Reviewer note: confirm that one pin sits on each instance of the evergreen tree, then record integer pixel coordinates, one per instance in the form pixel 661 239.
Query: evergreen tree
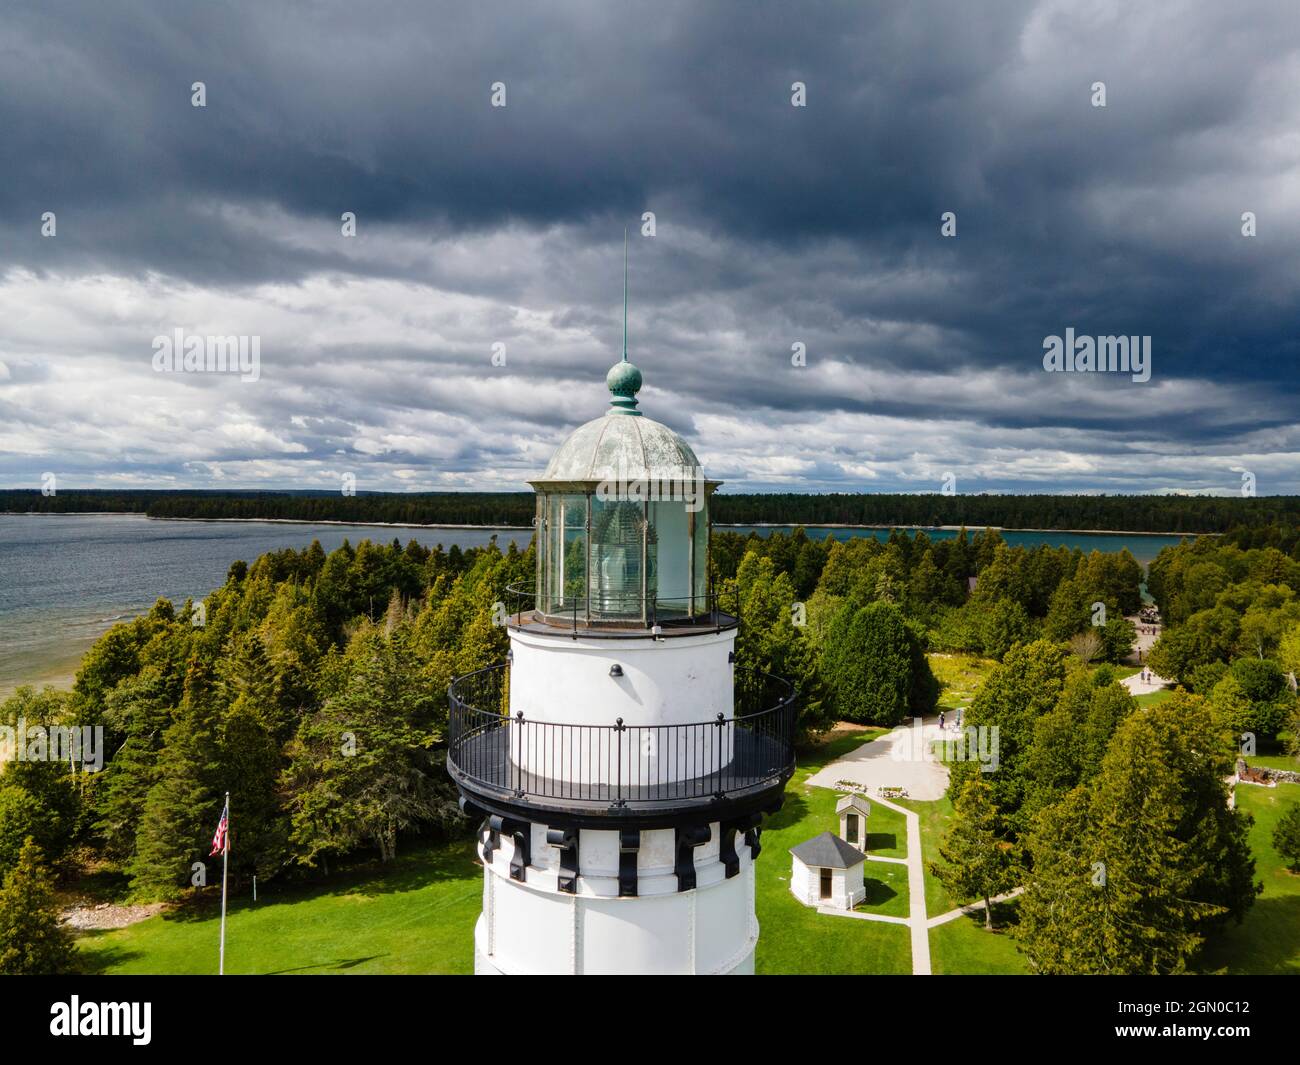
pixel 977 862
pixel 1013 697
pixel 1004 624
pixel 182 807
pixel 1132 871
pixel 1286 837
pixel 770 643
pixel 138 710
pixel 20 820
pixel 33 940
pixel 867 664
pixel 363 768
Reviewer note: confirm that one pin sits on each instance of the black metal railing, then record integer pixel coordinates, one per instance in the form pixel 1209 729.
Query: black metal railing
pixel 617 765
pixel 622 614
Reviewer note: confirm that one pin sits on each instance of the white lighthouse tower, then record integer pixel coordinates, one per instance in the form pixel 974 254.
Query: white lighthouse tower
pixel 620 762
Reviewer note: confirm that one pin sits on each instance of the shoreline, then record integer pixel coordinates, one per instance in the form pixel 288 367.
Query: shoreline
pixel 529 528
pixel 263 521
pixel 952 528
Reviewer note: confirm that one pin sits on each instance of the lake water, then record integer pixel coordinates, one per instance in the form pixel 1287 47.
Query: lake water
pixel 65 579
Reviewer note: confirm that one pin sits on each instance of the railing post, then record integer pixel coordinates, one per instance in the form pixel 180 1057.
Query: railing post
pixel 618 758
pixel 519 754
pixel 720 791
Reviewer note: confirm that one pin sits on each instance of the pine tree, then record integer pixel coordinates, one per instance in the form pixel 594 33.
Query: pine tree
pixel 362 768
pixel 182 807
pixel 20 819
pixel 976 861
pixel 139 711
pixel 1132 871
pixel 33 941
pixel 1286 837
pixel 867 663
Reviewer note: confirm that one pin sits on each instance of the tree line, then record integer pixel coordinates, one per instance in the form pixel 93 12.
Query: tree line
pixel 1134 513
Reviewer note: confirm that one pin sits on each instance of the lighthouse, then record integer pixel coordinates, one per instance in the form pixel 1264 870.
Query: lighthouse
pixel 619 761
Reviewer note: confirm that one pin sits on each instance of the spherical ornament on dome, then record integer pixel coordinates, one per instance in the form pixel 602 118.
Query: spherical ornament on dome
pixel 624 381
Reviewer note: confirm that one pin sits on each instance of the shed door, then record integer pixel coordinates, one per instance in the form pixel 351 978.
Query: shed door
pixel 826 883
pixel 851 828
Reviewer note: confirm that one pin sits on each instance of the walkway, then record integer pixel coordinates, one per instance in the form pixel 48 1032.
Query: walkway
pixel 974 907
pixel 898 759
pixel 915 919
pixel 1137 686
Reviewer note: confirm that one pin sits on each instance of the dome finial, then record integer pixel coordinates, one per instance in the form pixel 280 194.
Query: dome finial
pixel 624 379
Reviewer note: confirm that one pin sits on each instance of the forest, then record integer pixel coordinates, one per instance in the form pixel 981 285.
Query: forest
pixel 1134 513
pixel 300 648
pixel 312 687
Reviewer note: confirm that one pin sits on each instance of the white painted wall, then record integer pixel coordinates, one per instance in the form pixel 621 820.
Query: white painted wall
pixel 683 680
pixel 533 928
pixel 848 886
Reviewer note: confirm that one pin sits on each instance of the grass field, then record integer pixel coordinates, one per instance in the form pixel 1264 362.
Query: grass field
pixel 964 946
pixel 1268 940
pixel 797 939
pixel 960 676
pixel 416 916
pixel 1275 761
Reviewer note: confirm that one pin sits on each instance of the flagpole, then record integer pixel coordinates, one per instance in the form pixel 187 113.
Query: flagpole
pixel 225 860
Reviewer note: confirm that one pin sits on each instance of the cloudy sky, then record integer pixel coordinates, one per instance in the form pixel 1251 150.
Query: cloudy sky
pixel 481 225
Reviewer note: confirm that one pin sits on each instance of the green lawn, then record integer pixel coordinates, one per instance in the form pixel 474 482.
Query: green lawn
pixel 1274 761
pixel 964 947
pixel 933 818
pixel 798 939
pixel 418 915
pixel 1273 755
pixel 414 917
pixel 961 946
pixel 1268 940
pixel 960 676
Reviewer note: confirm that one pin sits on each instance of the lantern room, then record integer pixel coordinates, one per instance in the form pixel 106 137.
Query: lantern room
pixel 623 520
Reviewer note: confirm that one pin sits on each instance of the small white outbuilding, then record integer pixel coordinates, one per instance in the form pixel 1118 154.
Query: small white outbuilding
pixel 853 810
pixel 826 871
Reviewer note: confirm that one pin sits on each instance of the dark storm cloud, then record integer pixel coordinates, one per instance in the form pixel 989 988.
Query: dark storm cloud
pixel 776 224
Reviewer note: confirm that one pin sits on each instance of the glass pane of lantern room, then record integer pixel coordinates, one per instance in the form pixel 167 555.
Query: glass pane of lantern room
pixel 616 544
pixel 699 520
pixel 566 554
pixel 671 557
pixel 575 551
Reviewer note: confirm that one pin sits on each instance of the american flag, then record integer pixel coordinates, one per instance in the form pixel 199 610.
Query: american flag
pixel 220 841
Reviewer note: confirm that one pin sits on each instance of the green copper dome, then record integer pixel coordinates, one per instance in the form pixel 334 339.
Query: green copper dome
pixel 624 381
